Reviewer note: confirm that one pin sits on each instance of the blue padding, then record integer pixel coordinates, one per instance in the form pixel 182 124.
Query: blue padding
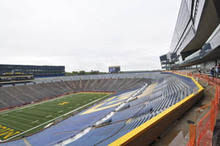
pixel 66 128
pixel 126 128
pixel 14 143
pixel 188 81
pixel 97 135
pixel 113 138
pixel 126 114
pixel 185 79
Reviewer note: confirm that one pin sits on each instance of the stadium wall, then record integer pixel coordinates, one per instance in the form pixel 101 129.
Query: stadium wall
pixel 150 130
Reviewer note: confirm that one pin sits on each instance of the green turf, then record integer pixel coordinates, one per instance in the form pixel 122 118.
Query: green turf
pixel 19 120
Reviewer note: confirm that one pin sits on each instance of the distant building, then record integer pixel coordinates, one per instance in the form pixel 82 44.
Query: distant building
pixel 37 71
pixel 114 69
pixel 15 78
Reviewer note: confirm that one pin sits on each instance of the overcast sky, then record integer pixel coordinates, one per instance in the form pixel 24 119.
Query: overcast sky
pixel 87 34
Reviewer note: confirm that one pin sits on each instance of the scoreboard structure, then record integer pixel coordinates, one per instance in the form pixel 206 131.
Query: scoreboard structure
pixel 114 69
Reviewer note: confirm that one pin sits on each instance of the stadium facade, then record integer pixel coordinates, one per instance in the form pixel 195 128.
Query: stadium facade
pixel 196 38
pixel 37 71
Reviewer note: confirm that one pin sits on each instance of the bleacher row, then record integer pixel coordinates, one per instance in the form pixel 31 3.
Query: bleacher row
pixel 167 92
pixel 24 94
pixel 149 75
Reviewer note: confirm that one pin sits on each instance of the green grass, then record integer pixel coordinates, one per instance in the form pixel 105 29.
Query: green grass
pixel 20 122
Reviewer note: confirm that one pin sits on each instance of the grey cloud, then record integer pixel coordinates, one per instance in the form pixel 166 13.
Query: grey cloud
pixel 87 34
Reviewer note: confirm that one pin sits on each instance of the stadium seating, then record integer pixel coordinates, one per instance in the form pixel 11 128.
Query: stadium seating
pixel 105 126
pixel 167 92
pixel 24 94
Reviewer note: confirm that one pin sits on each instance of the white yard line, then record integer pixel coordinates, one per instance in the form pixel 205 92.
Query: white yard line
pixel 60 111
pixel 48 116
pixel 36 121
pixel 54 118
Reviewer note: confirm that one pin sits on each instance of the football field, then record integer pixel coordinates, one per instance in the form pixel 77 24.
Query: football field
pixel 24 121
